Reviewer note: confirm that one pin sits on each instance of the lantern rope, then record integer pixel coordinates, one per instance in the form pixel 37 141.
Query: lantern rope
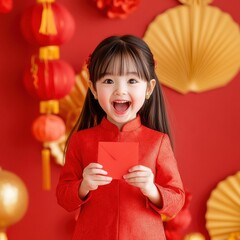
pixel 48 25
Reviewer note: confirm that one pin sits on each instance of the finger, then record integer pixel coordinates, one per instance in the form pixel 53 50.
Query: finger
pixel 138 180
pixel 94 165
pixel 101 178
pixel 137 174
pixel 139 168
pixel 101 183
pixel 94 171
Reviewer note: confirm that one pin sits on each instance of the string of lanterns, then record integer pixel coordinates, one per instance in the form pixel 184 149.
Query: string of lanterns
pixel 47 25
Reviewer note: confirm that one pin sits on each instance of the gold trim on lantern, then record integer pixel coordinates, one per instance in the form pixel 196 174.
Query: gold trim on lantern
pixel 51 106
pixel 34 72
pixel 49 53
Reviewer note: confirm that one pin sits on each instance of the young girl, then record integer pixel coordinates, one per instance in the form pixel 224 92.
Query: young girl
pixel 124 103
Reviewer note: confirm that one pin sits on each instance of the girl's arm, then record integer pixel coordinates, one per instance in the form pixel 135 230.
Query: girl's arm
pixel 75 183
pixel 165 190
pixel 70 179
pixel 168 180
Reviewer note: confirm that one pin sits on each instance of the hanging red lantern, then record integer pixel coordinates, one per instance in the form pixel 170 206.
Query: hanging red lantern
pixel 6 6
pixel 48 77
pixel 47 128
pixel 47 23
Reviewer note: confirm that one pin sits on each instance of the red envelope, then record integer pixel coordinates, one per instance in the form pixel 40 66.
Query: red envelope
pixel 117 157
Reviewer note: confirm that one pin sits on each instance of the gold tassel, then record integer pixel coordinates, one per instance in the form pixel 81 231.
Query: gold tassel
pixel 46 172
pixel 48 25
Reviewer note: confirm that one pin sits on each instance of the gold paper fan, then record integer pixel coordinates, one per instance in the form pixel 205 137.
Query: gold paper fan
pixel 70 108
pixel 223 209
pixel 197 47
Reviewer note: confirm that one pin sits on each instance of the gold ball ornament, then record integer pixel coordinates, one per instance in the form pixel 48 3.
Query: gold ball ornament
pixel 13 200
pixel 194 236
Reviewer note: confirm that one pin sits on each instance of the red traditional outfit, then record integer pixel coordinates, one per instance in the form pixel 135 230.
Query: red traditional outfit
pixel 118 211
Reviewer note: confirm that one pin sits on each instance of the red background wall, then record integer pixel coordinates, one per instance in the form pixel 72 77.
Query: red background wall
pixel 206 125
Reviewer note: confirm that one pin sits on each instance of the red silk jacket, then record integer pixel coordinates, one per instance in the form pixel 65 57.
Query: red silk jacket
pixel 118 211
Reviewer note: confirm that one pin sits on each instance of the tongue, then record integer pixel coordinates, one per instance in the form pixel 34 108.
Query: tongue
pixel 121 107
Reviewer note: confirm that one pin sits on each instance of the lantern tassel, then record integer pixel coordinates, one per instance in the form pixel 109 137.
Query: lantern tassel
pixel 48 25
pixel 46 172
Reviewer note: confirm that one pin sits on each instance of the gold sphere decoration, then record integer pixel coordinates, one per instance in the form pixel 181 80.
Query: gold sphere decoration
pixel 194 236
pixel 13 200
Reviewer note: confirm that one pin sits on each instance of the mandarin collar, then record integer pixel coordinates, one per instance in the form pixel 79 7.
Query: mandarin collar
pixel 130 126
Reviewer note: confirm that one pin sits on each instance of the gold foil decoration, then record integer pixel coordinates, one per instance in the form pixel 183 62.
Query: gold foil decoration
pixel 196 46
pixel 223 209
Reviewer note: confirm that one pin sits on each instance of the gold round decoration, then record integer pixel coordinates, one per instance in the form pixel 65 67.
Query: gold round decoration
pixel 234 236
pixel 69 109
pixel 223 209
pixel 194 236
pixel 196 46
pixel 13 200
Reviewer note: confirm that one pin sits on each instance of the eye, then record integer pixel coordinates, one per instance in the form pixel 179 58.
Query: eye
pixel 132 81
pixel 108 81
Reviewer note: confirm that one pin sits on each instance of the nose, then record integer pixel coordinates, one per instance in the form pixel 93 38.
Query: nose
pixel 120 89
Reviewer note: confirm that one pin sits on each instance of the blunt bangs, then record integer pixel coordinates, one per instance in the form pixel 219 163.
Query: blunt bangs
pixel 120 59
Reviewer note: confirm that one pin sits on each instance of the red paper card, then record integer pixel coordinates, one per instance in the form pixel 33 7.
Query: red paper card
pixel 117 157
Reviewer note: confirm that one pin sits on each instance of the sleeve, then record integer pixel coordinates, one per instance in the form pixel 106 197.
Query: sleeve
pixel 70 178
pixel 168 181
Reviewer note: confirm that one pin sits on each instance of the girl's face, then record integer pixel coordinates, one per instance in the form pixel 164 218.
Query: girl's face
pixel 122 96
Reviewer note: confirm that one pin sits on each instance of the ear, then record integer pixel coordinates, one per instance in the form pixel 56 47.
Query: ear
pixel 91 86
pixel 150 88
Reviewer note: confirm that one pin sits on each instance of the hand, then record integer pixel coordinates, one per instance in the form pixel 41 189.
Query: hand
pixel 93 176
pixel 143 178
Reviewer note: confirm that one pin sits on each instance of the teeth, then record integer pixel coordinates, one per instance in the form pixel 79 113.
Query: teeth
pixel 120 101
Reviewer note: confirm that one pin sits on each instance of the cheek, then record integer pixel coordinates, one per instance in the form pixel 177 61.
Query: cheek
pixel 139 96
pixel 103 98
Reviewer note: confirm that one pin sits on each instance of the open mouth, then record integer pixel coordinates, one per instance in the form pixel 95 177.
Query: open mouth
pixel 121 105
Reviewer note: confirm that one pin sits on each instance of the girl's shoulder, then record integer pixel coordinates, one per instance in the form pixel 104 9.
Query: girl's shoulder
pixel 152 132
pixel 153 135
